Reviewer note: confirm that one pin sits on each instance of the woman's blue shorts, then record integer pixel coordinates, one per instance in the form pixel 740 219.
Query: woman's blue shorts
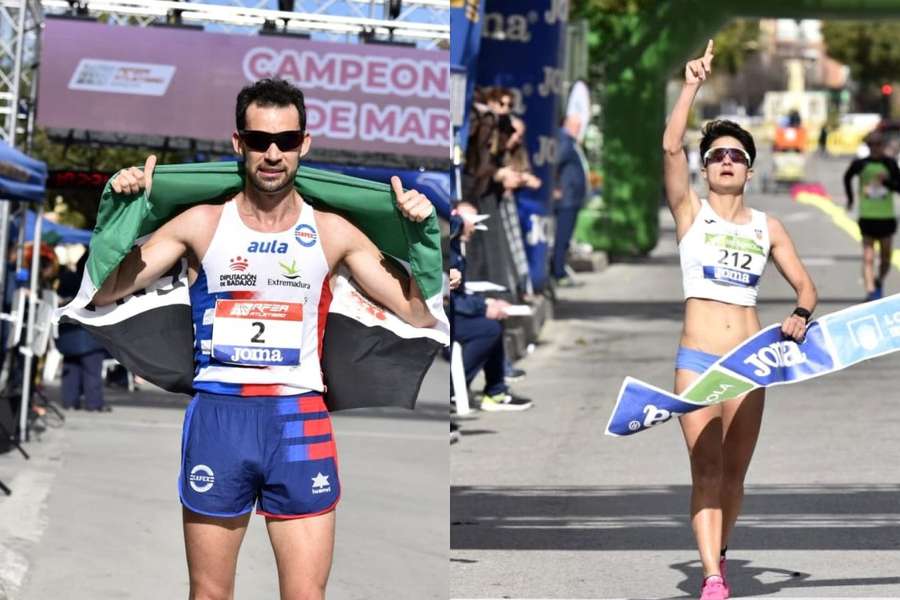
pixel 694 360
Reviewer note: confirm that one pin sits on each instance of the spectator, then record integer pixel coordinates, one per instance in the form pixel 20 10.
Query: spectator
pixel 515 174
pixel 516 166
pixel 476 326
pixel 82 354
pixel 569 195
pixel 490 254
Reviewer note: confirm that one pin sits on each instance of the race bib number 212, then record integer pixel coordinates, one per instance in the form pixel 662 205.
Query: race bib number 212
pixel 732 260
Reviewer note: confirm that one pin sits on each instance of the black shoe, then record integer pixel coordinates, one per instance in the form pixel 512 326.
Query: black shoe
pixel 454 432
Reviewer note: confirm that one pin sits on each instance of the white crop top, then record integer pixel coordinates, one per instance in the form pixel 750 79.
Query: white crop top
pixel 724 261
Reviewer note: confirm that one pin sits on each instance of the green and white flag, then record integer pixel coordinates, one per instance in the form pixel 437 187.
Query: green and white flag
pixel 370 358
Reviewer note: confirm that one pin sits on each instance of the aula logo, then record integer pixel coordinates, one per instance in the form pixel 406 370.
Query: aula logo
pixel 273 247
pixel 306 235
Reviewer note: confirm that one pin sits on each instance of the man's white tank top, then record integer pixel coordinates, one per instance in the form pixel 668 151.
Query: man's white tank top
pixel 724 261
pixel 259 305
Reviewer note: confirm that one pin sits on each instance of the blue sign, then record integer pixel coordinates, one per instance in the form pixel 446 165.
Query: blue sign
pixel 642 406
pixel 832 343
pixel 865 331
pixel 533 33
pixel 768 358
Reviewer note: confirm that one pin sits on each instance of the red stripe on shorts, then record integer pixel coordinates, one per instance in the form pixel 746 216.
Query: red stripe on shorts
pixel 321 450
pixel 310 404
pixel 316 427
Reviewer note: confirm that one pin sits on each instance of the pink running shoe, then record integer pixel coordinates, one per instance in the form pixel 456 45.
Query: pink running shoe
pixel 722 570
pixel 714 588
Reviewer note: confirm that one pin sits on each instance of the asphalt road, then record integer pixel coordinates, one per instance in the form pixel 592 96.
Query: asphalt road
pixel 95 514
pixel 544 505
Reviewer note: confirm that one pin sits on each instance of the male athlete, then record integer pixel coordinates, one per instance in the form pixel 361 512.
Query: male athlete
pixel 257 430
pixel 879 176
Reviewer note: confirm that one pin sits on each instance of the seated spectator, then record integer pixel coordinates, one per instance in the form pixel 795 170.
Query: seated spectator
pixel 476 325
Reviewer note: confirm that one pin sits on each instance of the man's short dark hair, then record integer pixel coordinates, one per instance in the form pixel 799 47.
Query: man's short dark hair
pixel 269 92
pixel 723 128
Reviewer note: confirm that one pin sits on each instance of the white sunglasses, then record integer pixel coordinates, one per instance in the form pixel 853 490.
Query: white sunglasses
pixel 737 155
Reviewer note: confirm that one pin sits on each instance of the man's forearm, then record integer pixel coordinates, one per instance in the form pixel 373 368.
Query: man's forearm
pixel 116 284
pixel 419 314
pixel 106 294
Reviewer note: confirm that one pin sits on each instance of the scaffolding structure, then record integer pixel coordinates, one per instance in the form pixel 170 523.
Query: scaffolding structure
pixel 425 23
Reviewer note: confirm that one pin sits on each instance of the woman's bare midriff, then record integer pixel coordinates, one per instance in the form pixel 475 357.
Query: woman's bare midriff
pixel 717 327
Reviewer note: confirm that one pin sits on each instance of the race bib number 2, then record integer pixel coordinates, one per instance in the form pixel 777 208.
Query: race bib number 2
pixel 257 333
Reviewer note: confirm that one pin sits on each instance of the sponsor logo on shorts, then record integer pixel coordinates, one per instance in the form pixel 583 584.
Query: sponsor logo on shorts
pixel 202 478
pixel 273 247
pixel 239 263
pixel 320 484
pixel 306 235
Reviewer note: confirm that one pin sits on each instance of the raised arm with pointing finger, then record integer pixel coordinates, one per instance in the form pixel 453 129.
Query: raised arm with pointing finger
pixel 682 200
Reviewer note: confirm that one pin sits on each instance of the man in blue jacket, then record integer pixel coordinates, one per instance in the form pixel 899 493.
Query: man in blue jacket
pixel 569 194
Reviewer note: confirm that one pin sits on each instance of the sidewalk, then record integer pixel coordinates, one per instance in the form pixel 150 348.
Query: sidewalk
pixel 95 513
pixel 544 505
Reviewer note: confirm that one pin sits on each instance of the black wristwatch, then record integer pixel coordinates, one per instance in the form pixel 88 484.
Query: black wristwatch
pixel 802 312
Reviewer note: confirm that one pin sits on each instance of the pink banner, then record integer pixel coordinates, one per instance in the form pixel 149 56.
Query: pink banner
pixel 183 83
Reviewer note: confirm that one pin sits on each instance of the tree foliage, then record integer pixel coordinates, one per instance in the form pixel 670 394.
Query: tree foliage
pixel 734 43
pixel 81 204
pixel 614 23
pixel 870 49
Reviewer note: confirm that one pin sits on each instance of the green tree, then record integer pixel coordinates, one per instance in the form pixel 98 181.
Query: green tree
pixel 615 24
pixel 871 51
pixel 734 43
pixel 81 204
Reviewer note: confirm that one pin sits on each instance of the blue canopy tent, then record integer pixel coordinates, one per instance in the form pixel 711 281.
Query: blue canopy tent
pixel 22 179
pixel 64 233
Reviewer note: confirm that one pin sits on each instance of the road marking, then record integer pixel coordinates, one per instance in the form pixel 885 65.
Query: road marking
pixel 838 217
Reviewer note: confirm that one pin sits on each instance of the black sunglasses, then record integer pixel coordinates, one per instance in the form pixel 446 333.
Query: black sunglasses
pixel 259 141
